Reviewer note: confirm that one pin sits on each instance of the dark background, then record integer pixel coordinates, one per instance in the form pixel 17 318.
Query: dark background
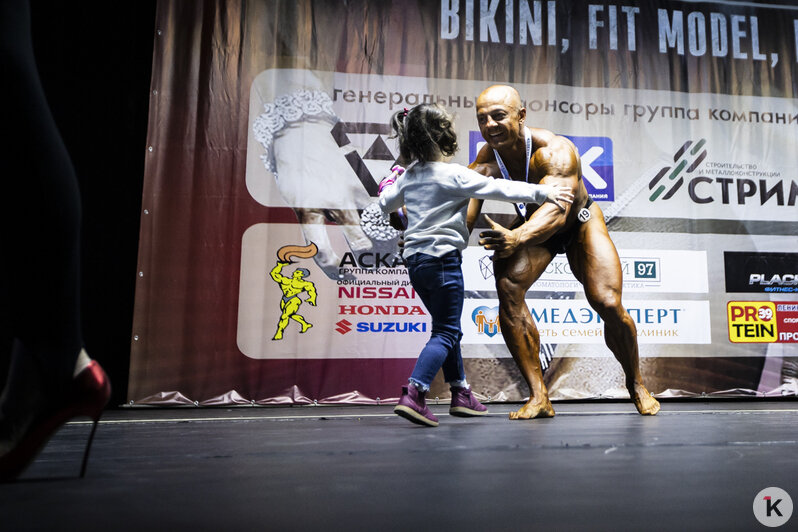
pixel 95 62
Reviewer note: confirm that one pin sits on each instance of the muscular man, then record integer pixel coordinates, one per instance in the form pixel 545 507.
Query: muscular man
pixel 522 253
pixel 292 287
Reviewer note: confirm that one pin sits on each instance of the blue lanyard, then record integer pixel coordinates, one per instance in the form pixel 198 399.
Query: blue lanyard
pixel 520 207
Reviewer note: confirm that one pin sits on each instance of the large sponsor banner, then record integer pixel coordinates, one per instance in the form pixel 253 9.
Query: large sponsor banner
pixel 761 272
pixel 574 322
pixel 644 270
pixel 268 273
pixel 763 322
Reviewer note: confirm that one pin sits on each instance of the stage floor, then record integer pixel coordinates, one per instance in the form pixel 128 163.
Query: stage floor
pixel 595 466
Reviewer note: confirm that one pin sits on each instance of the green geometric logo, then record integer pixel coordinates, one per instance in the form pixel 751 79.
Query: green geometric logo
pixel 681 159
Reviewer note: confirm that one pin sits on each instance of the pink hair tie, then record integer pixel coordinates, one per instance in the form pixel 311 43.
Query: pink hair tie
pixel 385 183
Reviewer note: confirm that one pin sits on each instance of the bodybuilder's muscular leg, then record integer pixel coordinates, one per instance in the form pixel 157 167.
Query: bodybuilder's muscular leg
pixel 514 276
pixel 282 323
pixel 289 312
pixel 594 260
pixel 620 335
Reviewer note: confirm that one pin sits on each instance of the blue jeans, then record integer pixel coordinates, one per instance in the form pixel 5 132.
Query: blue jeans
pixel 439 283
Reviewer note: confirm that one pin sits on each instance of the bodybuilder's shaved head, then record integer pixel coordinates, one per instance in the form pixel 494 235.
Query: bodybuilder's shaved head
pixel 500 94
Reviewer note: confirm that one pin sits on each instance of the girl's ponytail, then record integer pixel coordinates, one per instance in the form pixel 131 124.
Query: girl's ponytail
pixel 423 132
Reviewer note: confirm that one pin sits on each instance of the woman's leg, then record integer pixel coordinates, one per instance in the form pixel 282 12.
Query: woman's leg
pixel 41 221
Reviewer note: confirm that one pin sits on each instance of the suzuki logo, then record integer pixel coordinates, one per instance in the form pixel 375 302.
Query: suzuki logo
pixel 343 326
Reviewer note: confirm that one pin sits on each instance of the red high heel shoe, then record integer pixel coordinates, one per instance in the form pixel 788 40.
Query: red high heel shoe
pixel 87 396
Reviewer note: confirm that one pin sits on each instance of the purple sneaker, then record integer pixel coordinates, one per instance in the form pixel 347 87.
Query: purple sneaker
pixel 464 403
pixel 413 407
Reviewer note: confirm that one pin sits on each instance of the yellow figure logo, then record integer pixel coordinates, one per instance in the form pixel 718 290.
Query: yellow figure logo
pixel 292 287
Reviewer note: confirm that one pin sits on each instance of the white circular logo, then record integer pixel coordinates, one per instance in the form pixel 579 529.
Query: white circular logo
pixel 584 215
pixel 772 507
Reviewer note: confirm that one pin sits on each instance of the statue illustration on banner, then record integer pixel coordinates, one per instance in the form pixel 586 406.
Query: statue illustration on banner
pixel 292 287
pixel 317 170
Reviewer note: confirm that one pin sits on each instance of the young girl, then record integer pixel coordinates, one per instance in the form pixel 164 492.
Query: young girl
pixel 435 194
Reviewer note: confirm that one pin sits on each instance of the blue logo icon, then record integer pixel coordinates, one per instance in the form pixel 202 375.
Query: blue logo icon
pixel 596 156
pixel 487 320
pixel 475 143
pixel 597 169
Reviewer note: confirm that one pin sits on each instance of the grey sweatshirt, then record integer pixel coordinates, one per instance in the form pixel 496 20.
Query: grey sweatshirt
pixel 436 196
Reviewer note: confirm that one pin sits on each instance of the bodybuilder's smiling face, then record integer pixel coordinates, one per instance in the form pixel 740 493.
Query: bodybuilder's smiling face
pixel 500 116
